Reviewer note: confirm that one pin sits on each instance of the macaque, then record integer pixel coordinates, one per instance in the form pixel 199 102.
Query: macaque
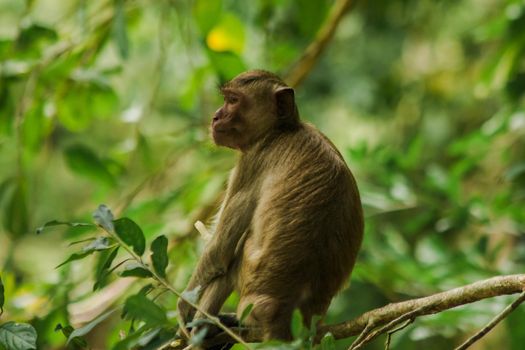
pixel 291 223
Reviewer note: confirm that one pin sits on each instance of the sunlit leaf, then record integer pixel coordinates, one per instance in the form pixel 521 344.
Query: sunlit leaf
pixel 139 307
pixel 328 342
pixel 58 223
pixel 192 295
pixel 207 13
pixel 198 338
pixel 2 296
pixel 227 35
pixel 159 257
pixel 33 38
pixel 101 243
pixel 297 324
pixel 83 161
pixel 120 33
pixel 247 310
pixel 36 127
pixel 17 336
pixel 104 218
pixel 16 217
pixel 89 239
pixel 131 234
pixel 82 331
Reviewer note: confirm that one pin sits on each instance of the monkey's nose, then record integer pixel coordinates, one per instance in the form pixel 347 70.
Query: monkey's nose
pixel 215 118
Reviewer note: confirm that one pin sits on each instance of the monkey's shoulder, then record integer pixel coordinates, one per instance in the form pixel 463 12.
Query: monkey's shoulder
pixel 311 146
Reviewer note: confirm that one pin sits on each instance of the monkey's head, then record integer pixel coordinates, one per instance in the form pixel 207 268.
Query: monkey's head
pixel 256 103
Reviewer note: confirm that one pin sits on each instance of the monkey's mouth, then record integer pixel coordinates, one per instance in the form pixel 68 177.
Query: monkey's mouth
pixel 219 130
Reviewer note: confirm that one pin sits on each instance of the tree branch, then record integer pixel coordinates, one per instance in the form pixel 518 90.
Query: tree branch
pixel 492 323
pixel 305 63
pixel 492 287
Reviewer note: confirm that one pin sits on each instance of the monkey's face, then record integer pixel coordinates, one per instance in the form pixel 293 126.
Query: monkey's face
pixel 244 118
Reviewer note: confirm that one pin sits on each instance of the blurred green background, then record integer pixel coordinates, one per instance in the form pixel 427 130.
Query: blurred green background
pixel 109 101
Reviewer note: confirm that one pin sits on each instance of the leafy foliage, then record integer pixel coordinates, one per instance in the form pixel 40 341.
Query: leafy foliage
pixel 109 101
pixel 17 336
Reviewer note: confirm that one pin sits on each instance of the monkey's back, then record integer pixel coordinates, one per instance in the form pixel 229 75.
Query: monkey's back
pixel 307 226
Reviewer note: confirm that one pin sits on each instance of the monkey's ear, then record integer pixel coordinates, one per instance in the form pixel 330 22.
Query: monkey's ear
pixel 286 107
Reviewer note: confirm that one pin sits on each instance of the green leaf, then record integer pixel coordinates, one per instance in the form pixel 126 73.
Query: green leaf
pixel 83 161
pixel 33 38
pixel 227 35
pixel 227 64
pixel 104 218
pixel 199 336
pixel 192 295
pixel 81 241
pixel 159 257
pixel 246 312
pixel 312 331
pixel 88 99
pixel 328 342
pixel 79 342
pixel 297 324
pixel 101 243
pixel 103 267
pixel 515 171
pixel 135 270
pixel 120 34
pixel 58 223
pixel 73 257
pixel 139 307
pixel 17 336
pixel 82 331
pixel 2 296
pixel 131 340
pixel 315 11
pixel 206 14
pixel 131 234
pixel 16 215
pixel 36 126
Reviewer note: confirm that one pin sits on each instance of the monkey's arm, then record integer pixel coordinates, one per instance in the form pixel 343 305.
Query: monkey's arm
pixel 220 252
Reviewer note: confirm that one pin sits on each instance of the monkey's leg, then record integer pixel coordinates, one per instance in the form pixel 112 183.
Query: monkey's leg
pixel 215 295
pixel 211 302
pixel 212 299
pixel 272 314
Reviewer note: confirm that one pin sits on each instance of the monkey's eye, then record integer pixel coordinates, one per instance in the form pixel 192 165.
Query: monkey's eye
pixel 231 99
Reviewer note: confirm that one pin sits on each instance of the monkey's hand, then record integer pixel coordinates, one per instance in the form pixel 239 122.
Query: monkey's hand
pixel 186 311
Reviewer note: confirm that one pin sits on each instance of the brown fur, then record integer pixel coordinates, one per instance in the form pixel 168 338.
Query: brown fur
pixel 291 223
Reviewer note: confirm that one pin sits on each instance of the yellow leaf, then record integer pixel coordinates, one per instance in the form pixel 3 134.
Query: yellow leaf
pixel 227 35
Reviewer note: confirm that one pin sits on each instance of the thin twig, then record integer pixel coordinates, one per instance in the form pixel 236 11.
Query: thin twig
pixel 492 287
pixel 390 332
pixel 166 285
pixel 492 323
pixel 370 325
pixel 312 53
pixel 403 318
